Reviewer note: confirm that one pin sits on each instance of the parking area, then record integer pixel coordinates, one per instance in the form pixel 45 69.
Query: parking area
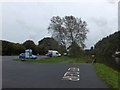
pixel 16 74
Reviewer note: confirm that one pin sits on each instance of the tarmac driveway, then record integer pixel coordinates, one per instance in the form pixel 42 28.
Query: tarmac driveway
pixel 16 74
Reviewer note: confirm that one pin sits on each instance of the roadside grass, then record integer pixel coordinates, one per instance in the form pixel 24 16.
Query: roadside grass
pixel 59 59
pixel 82 59
pixel 108 75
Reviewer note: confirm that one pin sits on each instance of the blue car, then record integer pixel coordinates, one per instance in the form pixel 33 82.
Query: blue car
pixel 33 57
pixel 22 55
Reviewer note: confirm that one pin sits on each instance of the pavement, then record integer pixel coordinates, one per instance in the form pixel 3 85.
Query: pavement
pixel 17 74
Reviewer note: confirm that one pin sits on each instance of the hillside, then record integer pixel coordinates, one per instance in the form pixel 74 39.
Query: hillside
pixel 108 45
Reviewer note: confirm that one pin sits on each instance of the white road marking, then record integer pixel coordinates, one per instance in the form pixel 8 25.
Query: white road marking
pixel 72 74
pixel 65 74
pixel 73 69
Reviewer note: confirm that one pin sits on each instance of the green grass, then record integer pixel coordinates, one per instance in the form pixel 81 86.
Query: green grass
pixel 108 75
pixel 59 59
pixel 83 59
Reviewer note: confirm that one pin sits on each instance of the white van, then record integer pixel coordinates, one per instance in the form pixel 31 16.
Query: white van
pixel 52 53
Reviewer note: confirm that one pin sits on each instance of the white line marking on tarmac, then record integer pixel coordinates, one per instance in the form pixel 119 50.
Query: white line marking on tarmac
pixel 72 74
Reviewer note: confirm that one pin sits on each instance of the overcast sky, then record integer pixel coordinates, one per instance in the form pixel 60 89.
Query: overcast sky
pixel 29 20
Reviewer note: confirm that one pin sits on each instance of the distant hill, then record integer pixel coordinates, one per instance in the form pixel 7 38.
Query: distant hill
pixel 108 45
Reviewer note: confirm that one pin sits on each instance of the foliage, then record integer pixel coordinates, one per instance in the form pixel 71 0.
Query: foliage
pixel 29 44
pixel 18 48
pixel 108 45
pixel 62 49
pixel 107 74
pixel 75 50
pixel 7 48
pixel 49 44
pixel 10 48
pixel 68 29
pixel 57 30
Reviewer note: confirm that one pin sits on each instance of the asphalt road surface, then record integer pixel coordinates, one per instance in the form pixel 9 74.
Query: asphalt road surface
pixel 16 74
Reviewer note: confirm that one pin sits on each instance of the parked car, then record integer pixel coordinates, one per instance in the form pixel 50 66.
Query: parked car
pixel 22 55
pixel 52 53
pixel 33 57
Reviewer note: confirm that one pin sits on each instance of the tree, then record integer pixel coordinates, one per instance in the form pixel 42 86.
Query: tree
pixel 46 44
pixel 18 48
pixel 29 44
pixel 108 45
pixel 57 30
pixel 7 48
pixel 62 49
pixel 10 48
pixel 68 29
pixel 75 50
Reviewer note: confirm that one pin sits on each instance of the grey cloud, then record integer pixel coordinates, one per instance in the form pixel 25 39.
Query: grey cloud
pixel 23 24
pixel 99 21
pixel 112 1
pixel 32 31
pixel 104 25
pixel 99 28
pixel 32 35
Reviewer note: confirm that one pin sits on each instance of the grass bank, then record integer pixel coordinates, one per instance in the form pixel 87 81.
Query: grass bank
pixel 60 59
pixel 107 74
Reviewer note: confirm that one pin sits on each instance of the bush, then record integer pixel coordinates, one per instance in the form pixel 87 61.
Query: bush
pixel 75 50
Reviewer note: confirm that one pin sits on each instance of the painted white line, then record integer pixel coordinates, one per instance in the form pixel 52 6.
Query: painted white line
pixel 73 69
pixel 68 69
pixel 66 73
pixel 70 78
pixel 72 74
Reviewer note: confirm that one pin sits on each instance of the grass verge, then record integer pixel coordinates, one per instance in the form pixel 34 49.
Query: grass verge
pixel 82 59
pixel 59 59
pixel 108 75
